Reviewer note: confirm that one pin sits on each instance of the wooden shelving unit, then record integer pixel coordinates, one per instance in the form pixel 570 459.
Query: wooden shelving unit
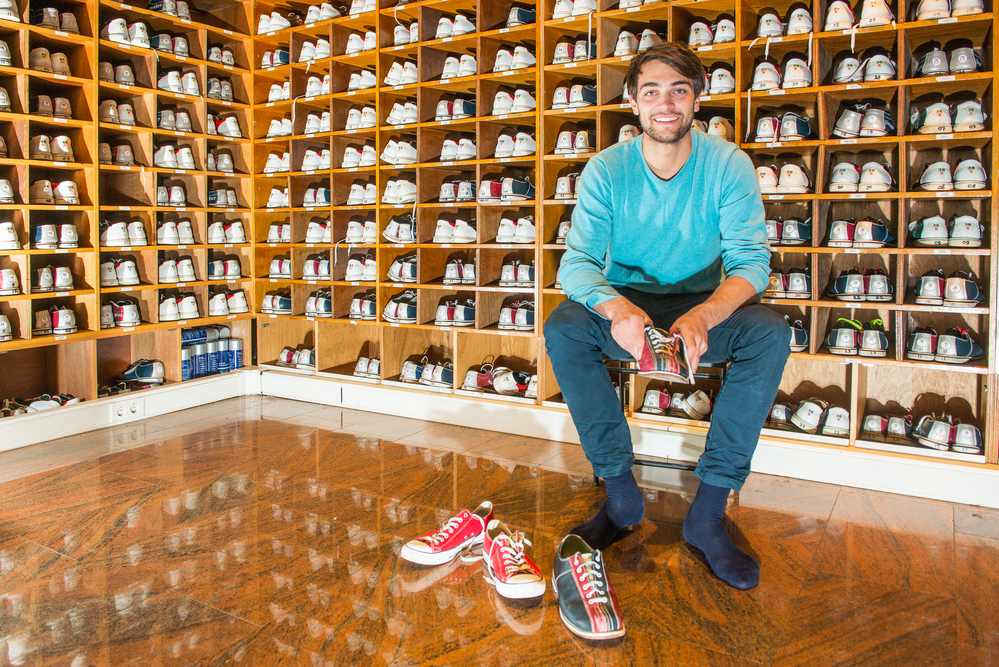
pixel 863 386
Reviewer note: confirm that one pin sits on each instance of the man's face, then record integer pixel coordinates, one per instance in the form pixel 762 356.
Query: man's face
pixel 665 103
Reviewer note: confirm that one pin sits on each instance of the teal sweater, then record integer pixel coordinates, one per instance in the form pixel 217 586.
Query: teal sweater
pixel 631 228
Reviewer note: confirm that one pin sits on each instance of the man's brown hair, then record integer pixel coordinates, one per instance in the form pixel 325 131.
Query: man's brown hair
pixel 677 56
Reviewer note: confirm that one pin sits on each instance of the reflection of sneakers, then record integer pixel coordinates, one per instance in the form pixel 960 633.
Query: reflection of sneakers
pixel 441 545
pixel 428 578
pixel 586 603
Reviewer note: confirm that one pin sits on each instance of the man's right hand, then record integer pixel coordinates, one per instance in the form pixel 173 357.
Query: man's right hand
pixel 627 324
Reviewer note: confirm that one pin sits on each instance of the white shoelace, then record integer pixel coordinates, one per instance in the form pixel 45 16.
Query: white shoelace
pixel 591 576
pixel 514 558
pixel 445 531
pixel 661 344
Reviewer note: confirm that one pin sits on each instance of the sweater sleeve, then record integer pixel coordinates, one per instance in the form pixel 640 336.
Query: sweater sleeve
pixel 742 223
pixel 582 268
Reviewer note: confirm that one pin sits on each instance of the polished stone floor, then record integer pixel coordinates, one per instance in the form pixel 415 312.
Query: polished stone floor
pixel 259 531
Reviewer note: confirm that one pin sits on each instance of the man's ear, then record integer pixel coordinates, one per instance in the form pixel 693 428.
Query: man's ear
pixel 697 104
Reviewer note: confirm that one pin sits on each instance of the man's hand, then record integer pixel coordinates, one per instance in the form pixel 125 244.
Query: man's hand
pixel 693 327
pixel 627 324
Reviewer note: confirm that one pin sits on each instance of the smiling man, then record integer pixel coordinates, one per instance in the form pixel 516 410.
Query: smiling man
pixel 669 229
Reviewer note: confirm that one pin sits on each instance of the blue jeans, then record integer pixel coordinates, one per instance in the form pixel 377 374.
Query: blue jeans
pixel 754 338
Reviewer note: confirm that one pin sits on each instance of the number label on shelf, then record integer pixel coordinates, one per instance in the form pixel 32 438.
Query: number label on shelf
pixel 775 144
pixel 447 39
pixel 126 289
pixel 858 195
pixel 848 141
pixel 504 159
pixel 775 197
pixel 232 317
pixel 503 30
pixel 776 91
pixel 852 251
pixel 502 115
pixel 62 293
pixel 946 78
pixel 951 19
pixel 945 194
pixel 62 208
pixel 59 338
pixel 626 58
pixel 127 329
pixel 941 251
pixel 705 48
pixel 705 98
pixel 62 251
pixel 946 136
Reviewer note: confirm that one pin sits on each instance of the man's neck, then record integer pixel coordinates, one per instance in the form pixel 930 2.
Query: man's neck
pixel 666 160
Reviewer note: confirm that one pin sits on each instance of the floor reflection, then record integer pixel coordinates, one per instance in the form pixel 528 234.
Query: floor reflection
pixel 269 542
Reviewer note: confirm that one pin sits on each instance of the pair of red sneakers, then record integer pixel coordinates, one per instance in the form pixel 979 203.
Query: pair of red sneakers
pixel 474 535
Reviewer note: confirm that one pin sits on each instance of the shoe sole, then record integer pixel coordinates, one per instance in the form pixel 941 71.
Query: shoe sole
pixel 596 636
pixel 438 558
pixel 516 591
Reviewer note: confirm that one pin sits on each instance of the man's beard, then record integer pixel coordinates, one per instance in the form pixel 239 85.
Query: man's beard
pixel 649 129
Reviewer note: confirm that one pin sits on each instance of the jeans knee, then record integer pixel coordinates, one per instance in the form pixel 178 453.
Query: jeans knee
pixel 771 329
pixel 565 323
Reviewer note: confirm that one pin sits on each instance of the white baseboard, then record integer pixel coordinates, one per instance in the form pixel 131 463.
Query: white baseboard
pixel 856 468
pixel 38 427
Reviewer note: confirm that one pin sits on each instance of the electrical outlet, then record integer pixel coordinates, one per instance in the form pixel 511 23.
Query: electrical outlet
pixel 129 410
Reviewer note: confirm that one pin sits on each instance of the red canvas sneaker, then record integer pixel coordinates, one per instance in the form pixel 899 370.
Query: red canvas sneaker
pixel 507 567
pixel 441 545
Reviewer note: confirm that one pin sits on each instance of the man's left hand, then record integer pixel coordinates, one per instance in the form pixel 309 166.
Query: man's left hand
pixel 693 327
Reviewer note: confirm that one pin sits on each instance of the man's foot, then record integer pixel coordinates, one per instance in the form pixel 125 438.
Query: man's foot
pixel 624 507
pixel 703 529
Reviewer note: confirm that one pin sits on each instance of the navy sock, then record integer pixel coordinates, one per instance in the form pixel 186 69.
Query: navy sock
pixel 625 506
pixel 703 529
